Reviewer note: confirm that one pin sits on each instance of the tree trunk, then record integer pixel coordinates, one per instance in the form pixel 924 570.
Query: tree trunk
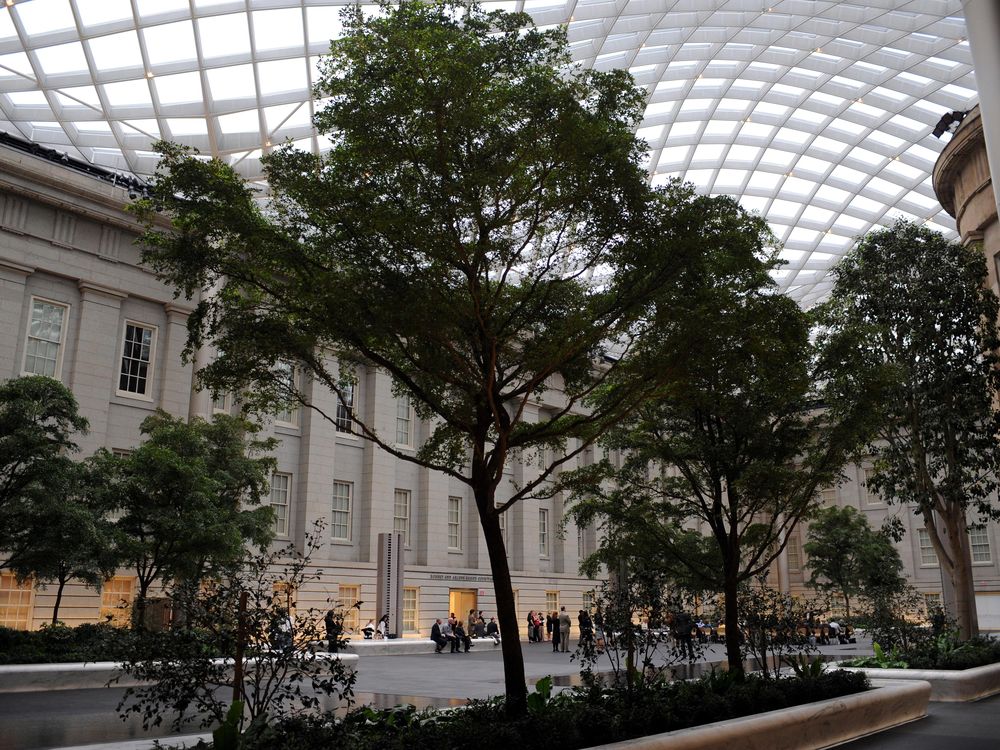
pixel 59 594
pixel 960 572
pixel 847 606
pixel 733 654
pixel 510 644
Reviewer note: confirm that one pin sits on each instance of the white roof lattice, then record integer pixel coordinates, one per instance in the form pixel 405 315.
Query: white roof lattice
pixel 817 114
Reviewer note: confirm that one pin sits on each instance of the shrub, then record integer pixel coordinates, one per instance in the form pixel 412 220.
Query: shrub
pixel 58 643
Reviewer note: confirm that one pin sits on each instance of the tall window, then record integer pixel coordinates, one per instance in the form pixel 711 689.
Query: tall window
pixel 116 600
pixel 15 602
pixel 289 414
pixel 401 515
pixel 137 355
pixel 581 543
pixel 871 497
pixel 543 532
pixel 793 552
pixel 979 539
pixel 454 523
pixel 220 404
pixel 588 600
pixel 932 601
pixel 280 486
pixel 340 519
pixel 404 421
pixel 43 349
pixel 828 496
pixel 928 557
pixel 410 610
pixel 349 594
pixel 551 601
pixel 345 408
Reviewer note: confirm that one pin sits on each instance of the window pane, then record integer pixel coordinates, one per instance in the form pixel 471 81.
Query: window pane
pixel 980 542
pixel 403 420
pixel 41 355
pixel 349 594
pixel 410 610
pixel 455 523
pixel 345 409
pixel 116 601
pixel 928 556
pixel 401 515
pixel 136 350
pixel 15 602
pixel 340 519
pixel 543 532
pixel 279 501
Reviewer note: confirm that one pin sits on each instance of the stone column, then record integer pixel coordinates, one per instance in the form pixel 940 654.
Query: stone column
pixel 982 21
pixel 96 365
pixel 312 487
pixel 374 499
pixel 175 384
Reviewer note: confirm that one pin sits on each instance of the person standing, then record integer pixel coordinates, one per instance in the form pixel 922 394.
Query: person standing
pixel 682 632
pixel 564 625
pixel 553 624
pixel 586 628
pixel 334 628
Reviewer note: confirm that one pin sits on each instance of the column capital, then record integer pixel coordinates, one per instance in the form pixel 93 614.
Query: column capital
pixel 14 271
pixel 101 294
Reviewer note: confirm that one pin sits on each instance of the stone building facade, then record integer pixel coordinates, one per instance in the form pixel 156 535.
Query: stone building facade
pixel 76 304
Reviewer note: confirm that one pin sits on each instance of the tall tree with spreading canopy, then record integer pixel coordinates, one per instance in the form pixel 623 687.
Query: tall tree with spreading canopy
pixel 480 229
pixel 187 499
pixel 38 418
pixel 913 312
pixel 719 469
pixel 848 556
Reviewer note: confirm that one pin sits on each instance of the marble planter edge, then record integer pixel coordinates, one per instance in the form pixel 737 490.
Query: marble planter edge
pixel 947 685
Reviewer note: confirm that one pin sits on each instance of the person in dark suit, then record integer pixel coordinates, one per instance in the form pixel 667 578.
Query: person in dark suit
pixel 438 637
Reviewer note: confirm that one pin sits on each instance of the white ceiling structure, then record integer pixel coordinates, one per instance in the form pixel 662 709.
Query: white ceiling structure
pixel 816 114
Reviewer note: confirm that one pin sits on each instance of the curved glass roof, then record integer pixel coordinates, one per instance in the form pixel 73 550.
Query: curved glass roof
pixel 817 114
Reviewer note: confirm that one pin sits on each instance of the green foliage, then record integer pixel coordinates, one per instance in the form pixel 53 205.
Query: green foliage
pixel 227 735
pixel 543 692
pixel 61 644
pixel 572 719
pixel 38 418
pixel 185 674
pixel 849 557
pixel 189 498
pixel 946 651
pixel 881 660
pixel 914 317
pixel 772 626
pixel 805 667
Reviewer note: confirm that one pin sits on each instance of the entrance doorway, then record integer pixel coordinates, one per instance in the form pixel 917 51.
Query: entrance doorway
pixel 460 601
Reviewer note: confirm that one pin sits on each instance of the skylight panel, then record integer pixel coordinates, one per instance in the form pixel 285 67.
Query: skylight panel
pixel 239 122
pixel 233 82
pixel 27 98
pixel 701 178
pixel 278 29
pixel 797 187
pixel 683 129
pixel 756 130
pixel 324 24
pixel 849 175
pixel 753 203
pixel 767 108
pixel 819 96
pixel 803 236
pixel 907 123
pixel 44 17
pixel 170 42
pixel 650 134
pixel 923 153
pixel 116 51
pixel 921 200
pixel 763 181
pixel 913 78
pixel 179 88
pixel 93 126
pixel 105 11
pixel 889 189
pixel 808 163
pixel 128 93
pixel 141 127
pixel 905 171
pixel 7 29
pixel 288 116
pixel 866 205
pixel 777 158
pixel 896 96
pixel 730 178
pixel 847 126
pixel 850 224
pixel 282 75
pixel 816 214
pixel 790 135
pixel 832 195
pixel 670 87
pixel 709 152
pixel 784 209
pixel 673 156
pixel 696 106
pixel 721 128
pixel 222 36
pixel 660 108
pixel 187 126
pixel 743 153
pixel 148 8
pixel 737 106
pixel 63 58
pixel 78 96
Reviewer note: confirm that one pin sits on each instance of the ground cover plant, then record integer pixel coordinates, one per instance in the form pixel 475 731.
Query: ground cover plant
pixel 944 651
pixel 59 643
pixel 578 718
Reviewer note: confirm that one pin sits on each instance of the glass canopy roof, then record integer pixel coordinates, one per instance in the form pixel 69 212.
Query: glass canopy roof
pixel 816 114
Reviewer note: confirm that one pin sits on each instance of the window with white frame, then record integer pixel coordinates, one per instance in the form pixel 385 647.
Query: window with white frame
pixel 349 595
pixel 340 518
pixel 928 557
pixel 281 485
pixel 137 357
pixel 15 602
pixel 220 404
pixel 581 543
pixel 979 540
pixel 793 552
pixel 286 374
pixel 543 532
pixel 551 601
pixel 46 331
pixel 404 421
pixel 588 600
pixel 410 598
pixel 346 402
pixel 401 515
pixel 871 496
pixel 455 523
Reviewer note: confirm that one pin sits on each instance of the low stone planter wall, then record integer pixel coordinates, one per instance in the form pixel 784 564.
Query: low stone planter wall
pixel 947 685
pixel 810 727
pixel 22 678
pixel 391 646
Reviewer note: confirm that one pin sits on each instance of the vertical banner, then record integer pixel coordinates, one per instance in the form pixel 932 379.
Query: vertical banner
pixel 389 589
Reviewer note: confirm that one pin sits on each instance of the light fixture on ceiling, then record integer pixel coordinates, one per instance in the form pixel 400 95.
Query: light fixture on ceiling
pixel 948 123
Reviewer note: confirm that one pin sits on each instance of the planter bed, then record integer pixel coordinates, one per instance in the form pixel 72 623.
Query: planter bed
pixel 809 727
pixel 22 678
pixel 947 685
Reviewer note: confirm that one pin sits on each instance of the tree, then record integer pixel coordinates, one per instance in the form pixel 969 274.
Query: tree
pixel 38 416
pixel 913 313
pixel 482 230
pixel 187 498
pixel 848 556
pixel 68 533
pixel 738 445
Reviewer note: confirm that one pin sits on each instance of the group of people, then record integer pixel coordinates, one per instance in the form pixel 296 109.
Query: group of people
pixel 555 627
pixel 371 630
pixel 454 635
